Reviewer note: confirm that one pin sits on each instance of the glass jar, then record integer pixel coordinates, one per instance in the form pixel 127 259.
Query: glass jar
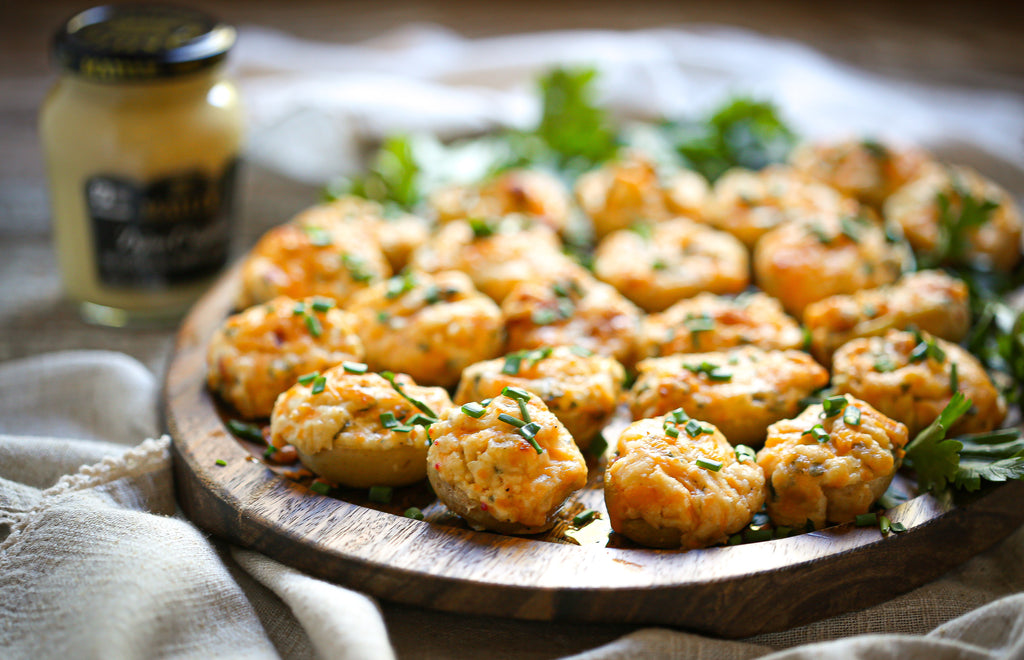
pixel 141 136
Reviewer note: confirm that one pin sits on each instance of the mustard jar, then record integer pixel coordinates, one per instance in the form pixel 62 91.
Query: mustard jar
pixel 141 136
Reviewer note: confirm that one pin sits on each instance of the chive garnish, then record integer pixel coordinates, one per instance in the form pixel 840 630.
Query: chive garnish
pixel 414 513
pixel 245 431
pixel 580 351
pixel 703 323
pixel 544 316
pixel 583 517
pixel 306 379
pixel 356 267
pixel 530 431
pixel 322 304
pixel 404 428
pixel 419 419
pixel 516 393
pixel 852 415
pixel 954 379
pixel 388 420
pixel 319 383
pixel 679 416
pixel 319 487
pixel 884 524
pixel 383 317
pixel 834 405
pixel 380 494
pixel 712 371
pixel 354 367
pixel 818 432
pixel 313 325
pixel 511 366
pixel 709 464
pixel 927 348
pixel 693 428
pixel 481 228
pixel 897 527
pixel 866 520
pixel 221 462
pixel 400 284
pixel 299 308
pixel 474 410
pixel 509 419
pixel 318 237
pixel 745 453
pixel 670 430
pixel 884 364
pixel 424 408
pixel 269 451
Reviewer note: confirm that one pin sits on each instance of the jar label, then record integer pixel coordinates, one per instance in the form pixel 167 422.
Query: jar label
pixel 169 231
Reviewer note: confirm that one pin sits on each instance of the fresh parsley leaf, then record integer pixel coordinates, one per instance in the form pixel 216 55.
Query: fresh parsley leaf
pixel 934 458
pixel 958 214
pixel 572 124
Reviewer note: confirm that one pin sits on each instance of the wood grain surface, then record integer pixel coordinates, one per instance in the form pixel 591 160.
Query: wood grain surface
pixel 729 591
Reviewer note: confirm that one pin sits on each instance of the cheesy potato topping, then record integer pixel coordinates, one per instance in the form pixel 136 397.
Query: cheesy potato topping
pixel 909 377
pixel 581 389
pixel 740 391
pixel 867 170
pixel 575 310
pixel 804 261
pixel 430 326
pixel 672 260
pixel 257 354
pixel 621 194
pixel 297 260
pixel 929 300
pixel 355 429
pixel 533 193
pixel 927 206
pixel 485 469
pixel 708 322
pixel 687 491
pixel 497 254
pixel 748 204
pixel 830 468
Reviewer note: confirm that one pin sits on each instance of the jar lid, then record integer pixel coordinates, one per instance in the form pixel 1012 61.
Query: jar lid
pixel 116 43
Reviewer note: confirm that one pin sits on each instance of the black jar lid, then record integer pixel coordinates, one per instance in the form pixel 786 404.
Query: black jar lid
pixel 116 43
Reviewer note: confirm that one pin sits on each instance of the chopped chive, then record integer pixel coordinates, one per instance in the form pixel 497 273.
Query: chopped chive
pixel 866 520
pixel 221 462
pixel 404 428
pixel 474 410
pixel 670 430
pixel 850 228
pixel 884 364
pixel 245 431
pixel 852 415
pixel 659 264
pixel 419 419
pixel 299 308
pixel 509 419
pixel 643 229
pixel 414 513
pixel 524 411
pixel 954 379
pixel 354 367
pixel 745 453
pixel 582 518
pixel 421 406
pixel 381 494
pixel 313 325
pixel 679 416
pixel 707 428
pixel 516 393
pixel 486 402
pixel 481 228
pixel 709 464
pixel 702 323
pixel 580 351
pixel 693 428
pixel 432 295
pixel 884 524
pixel 320 487
pixel 834 405
pixel 388 420
pixel 356 267
pixel 383 317
pixel 318 237
pixel 269 451
pixel 322 304
pixel 544 316
pixel 530 431
pixel 319 383
pixel 400 284
pixel 512 363
pixel 306 379
pixel 897 527
pixel 818 432
pixel 807 338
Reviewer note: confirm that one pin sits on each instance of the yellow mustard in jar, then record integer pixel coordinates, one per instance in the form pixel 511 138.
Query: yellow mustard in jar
pixel 141 136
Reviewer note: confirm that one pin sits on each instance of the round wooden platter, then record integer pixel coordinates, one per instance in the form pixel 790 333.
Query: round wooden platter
pixel 733 591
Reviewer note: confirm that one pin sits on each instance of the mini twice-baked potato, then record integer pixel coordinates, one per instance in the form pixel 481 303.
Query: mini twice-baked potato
pixel 657 266
pixel 573 311
pixel 622 193
pixel 533 193
pixel 865 169
pixel 930 207
pixel 675 482
pixel 497 254
pixel 582 389
pixel 929 300
pixel 804 261
pixel 430 326
pixel 257 354
pixel 501 472
pixel 686 194
pixel 741 391
pixel 708 322
pixel 357 428
pixel 298 260
pixel 830 466
pixel 748 204
pixel 911 376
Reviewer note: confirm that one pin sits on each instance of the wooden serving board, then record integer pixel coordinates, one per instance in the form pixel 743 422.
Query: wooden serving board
pixel 732 591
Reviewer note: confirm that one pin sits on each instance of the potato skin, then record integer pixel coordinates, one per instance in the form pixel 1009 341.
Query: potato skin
pixel 582 391
pixel 533 193
pixel 915 392
pixel 298 261
pixel 929 300
pixel 484 471
pixel 756 319
pixel 763 387
pixel 832 481
pixel 658 496
pixel 517 251
pixel 431 331
pixel 339 435
pixel 994 244
pixel 576 310
pixel 748 204
pixel 679 259
pixel 257 354
pixel 867 170
pixel 804 261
